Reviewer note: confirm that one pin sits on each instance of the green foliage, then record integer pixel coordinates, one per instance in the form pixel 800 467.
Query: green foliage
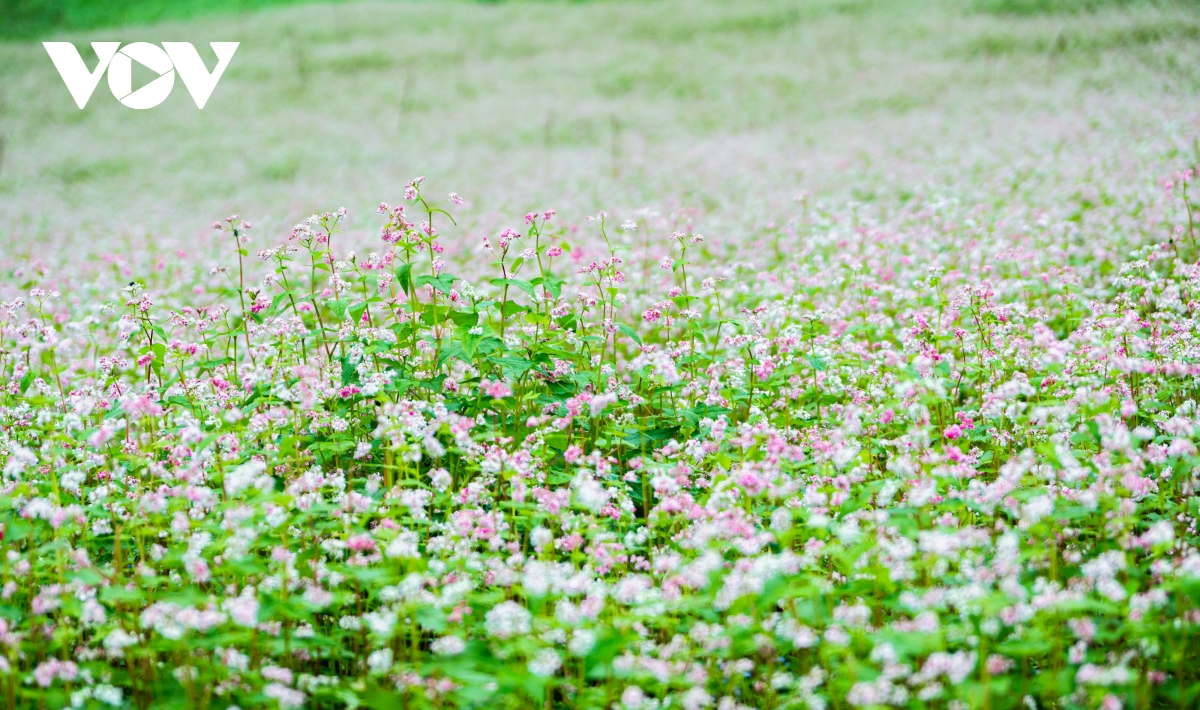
pixel 1027 8
pixel 35 18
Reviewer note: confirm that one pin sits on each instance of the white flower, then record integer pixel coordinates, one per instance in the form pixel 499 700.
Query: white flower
pixel 696 698
pixel 73 481
pixel 107 694
pixel 582 642
pixel 836 636
pixel 381 623
pixel 440 478
pixel 404 546
pixel 507 619
pixel 590 494
pixel 448 646
pixel 380 661
pixel 117 640
pixel 234 659
pixel 546 663
pixel 540 537
pixel 245 476
pixel 285 696
pixel 1190 567
pixel 1110 588
pixel 845 453
pixel 1160 533
pixel 1037 508
pixel 19 459
pixel 243 609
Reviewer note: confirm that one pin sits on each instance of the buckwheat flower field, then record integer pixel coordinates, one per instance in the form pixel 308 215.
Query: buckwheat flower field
pixel 920 440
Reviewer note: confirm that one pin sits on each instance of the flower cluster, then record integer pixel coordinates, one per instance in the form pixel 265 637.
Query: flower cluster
pixel 932 457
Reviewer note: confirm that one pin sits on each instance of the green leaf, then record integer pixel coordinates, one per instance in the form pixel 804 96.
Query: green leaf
pixel 404 276
pixel 511 308
pixel 213 363
pixel 338 308
pixel 443 282
pixel 349 372
pixel 277 303
pixel 567 322
pixel 525 286
pixel 491 344
pixel 630 332
pixel 89 576
pixel 651 436
pixel 464 319
pixel 378 698
pixel 470 344
pixel 116 593
pixel 431 315
pixel 17 529
pixel 334 447
pixel 453 350
pixel 553 285
pixel 431 619
pixel 513 367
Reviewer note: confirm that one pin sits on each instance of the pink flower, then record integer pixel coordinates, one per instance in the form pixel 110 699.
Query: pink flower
pixel 361 543
pixel 47 671
pixel 1083 628
pixel 496 389
pixel 999 665
pixel 411 189
pixel 507 237
pixel 275 673
pixel 243 609
pixel 198 570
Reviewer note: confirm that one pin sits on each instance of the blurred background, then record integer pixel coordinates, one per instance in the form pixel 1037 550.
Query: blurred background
pixel 719 112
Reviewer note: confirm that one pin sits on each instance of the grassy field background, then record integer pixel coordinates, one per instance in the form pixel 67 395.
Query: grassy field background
pixel 725 108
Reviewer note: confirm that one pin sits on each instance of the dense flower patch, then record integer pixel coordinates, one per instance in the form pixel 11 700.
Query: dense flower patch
pixel 943 457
